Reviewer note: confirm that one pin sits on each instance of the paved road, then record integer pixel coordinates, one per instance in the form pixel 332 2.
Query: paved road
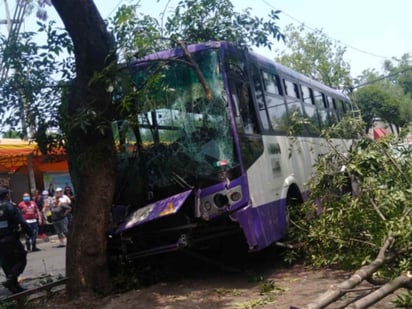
pixel 50 261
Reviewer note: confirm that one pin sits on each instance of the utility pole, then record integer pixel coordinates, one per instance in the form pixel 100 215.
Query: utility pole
pixel 13 25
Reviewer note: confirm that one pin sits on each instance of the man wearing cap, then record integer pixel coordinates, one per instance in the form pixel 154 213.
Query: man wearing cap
pixel 12 253
pixel 60 208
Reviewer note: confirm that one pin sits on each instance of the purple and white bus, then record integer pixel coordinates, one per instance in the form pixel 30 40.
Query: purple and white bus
pixel 210 154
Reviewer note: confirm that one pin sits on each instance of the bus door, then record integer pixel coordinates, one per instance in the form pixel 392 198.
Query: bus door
pixel 249 139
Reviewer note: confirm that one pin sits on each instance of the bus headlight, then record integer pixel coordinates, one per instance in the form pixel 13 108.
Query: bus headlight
pixel 235 196
pixel 221 200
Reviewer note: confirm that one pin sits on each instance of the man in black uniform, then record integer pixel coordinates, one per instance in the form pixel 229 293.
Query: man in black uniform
pixel 12 253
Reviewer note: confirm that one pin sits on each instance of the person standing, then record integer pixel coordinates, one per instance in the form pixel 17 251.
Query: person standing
pixel 33 217
pixel 47 203
pixel 38 198
pixel 60 208
pixel 69 193
pixel 12 254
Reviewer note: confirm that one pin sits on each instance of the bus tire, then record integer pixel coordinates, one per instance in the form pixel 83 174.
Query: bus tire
pixel 293 201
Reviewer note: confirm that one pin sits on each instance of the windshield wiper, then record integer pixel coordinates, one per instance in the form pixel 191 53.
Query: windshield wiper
pixel 180 181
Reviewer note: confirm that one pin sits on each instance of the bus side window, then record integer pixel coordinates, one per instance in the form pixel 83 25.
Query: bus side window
pixel 289 88
pixel 306 95
pixel 292 97
pixel 320 106
pixel 275 103
pixel 260 99
pixel 271 83
pixel 339 108
pixel 246 109
pixel 333 112
pixel 312 125
pixel 243 107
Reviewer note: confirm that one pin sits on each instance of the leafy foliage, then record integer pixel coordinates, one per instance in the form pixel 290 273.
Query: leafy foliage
pixel 400 71
pixel 353 224
pixel 31 96
pixel 192 21
pixel 203 20
pixel 377 100
pixel 136 34
pixel 315 55
pixel 388 97
pixel 404 300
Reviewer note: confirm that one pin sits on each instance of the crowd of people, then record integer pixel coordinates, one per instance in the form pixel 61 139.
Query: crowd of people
pixel 33 215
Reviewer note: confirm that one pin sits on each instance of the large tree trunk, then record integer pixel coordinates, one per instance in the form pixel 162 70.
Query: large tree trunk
pixel 91 149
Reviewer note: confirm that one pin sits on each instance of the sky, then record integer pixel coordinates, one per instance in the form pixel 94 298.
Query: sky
pixel 371 30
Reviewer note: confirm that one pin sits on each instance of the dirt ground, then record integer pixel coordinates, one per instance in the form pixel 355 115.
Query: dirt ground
pixel 264 282
pixel 285 288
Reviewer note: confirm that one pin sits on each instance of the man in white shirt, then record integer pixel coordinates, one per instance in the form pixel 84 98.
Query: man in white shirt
pixel 60 208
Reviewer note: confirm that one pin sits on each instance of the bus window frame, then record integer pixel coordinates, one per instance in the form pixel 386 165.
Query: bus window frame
pixel 278 81
pixel 296 99
pixel 306 105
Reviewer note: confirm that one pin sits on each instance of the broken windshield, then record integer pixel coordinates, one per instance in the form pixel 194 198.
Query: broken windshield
pixel 181 135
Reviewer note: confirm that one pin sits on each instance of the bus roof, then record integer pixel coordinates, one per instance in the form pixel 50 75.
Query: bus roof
pixel 280 68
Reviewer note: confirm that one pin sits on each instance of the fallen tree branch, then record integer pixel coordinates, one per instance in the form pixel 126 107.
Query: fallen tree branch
pixel 337 291
pixel 382 292
pixel 380 214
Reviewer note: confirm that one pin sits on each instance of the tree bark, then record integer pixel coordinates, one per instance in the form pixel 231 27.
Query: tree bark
pixel 91 149
pixel 382 292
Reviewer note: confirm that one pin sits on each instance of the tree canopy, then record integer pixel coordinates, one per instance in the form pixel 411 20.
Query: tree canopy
pixel 32 93
pixel 315 55
pixel 192 21
pixel 387 97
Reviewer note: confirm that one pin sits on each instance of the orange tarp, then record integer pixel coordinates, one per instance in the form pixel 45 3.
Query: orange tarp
pixel 17 149
pixel 59 166
pixel 14 154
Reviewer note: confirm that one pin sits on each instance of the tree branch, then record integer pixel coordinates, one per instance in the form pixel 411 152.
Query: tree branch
pixel 380 214
pixel 336 291
pixel 382 292
pixel 197 70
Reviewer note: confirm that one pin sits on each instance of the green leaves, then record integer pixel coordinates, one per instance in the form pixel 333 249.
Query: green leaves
pixel 135 34
pixel 315 55
pixel 387 97
pixel 192 21
pixel 31 95
pixel 353 225
pixel 203 20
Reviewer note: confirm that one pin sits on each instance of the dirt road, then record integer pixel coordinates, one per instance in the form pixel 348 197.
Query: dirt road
pixel 264 282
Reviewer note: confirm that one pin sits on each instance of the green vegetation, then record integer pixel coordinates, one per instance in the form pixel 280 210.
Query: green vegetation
pixel 358 199
pixel 315 55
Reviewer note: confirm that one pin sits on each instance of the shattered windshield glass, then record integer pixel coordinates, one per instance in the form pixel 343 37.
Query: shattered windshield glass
pixel 183 136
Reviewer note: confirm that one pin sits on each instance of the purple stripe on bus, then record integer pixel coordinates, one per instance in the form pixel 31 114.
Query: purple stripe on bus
pixel 159 209
pixel 167 54
pixel 263 225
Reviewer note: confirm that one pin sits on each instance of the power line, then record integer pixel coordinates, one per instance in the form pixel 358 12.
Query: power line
pixel 115 8
pixel 382 78
pixel 339 41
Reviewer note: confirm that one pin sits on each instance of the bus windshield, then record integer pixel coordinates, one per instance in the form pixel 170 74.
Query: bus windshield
pixel 181 136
